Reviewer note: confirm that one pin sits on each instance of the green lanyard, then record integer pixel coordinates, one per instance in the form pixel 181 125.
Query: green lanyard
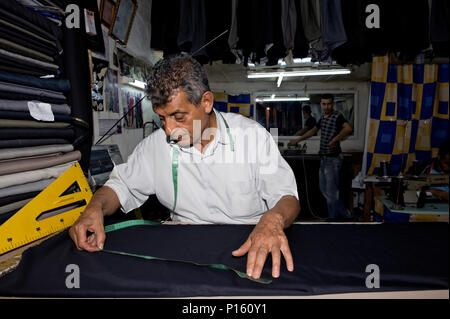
pixel 130 223
pixel 175 157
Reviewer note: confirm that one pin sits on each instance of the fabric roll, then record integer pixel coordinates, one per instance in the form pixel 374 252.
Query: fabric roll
pixel 58 85
pixel 18 197
pixel 333 30
pixel 19 38
pixel 33 157
pixel 24 165
pixel 36 133
pixel 21 92
pixel 19 49
pixel 18 69
pixel 32 36
pixel 17 14
pixel 31 142
pixel 26 187
pixel 13 153
pixel 20 59
pixel 14 206
pixel 7 123
pixel 22 106
pixel 26 116
pixel 24 68
pixel 33 176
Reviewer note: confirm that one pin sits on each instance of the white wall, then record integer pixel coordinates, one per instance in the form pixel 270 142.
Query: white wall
pixel 139 46
pixel 354 143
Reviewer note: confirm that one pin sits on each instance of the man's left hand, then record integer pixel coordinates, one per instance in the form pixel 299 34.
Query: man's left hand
pixel 267 237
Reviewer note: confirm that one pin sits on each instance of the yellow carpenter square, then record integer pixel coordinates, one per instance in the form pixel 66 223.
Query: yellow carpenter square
pixel 55 208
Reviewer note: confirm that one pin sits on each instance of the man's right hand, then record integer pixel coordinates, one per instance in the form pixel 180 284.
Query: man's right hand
pixel 90 220
pixel 294 142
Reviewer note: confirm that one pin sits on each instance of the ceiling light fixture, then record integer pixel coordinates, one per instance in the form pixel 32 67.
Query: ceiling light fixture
pixel 278 74
pixel 281 99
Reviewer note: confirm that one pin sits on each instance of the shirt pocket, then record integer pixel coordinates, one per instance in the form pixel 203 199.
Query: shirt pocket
pixel 244 197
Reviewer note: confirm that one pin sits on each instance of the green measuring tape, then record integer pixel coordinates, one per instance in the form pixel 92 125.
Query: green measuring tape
pixel 130 223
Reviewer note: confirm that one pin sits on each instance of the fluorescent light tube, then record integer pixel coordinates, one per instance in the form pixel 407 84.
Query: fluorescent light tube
pixel 282 99
pixel 297 73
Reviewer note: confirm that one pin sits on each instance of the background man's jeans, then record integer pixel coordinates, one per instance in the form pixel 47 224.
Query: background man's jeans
pixel 329 185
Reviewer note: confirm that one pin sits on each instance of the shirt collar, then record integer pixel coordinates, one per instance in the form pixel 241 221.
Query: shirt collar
pixel 219 138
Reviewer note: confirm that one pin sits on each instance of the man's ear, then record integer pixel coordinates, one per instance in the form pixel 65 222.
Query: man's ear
pixel 208 101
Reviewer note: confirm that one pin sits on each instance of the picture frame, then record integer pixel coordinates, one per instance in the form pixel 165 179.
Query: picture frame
pixel 107 10
pixel 124 13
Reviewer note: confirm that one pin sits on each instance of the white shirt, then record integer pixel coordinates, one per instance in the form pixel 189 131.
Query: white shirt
pixel 218 186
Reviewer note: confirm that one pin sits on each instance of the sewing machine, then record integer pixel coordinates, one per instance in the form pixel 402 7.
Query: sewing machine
pixel 411 189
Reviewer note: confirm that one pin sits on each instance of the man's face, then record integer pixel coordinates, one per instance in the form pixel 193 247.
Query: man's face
pixel 327 105
pixel 179 118
pixel 444 163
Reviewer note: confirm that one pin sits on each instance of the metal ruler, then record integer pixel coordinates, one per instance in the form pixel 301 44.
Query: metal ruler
pixel 57 207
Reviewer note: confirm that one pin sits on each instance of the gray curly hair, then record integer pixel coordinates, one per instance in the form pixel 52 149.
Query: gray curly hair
pixel 174 73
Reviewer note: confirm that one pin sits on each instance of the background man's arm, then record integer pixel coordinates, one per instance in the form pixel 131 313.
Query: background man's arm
pixel 307 135
pixel 346 130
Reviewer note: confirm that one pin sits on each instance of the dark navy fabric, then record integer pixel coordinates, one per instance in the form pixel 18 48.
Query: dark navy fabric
pixel 38 133
pixel 59 85
pixel 328 258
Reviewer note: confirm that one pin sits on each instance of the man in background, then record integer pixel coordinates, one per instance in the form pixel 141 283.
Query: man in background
pixel 334 128
pixel 310 121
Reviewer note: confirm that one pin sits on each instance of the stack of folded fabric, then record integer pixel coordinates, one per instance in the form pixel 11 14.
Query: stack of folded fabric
pixel 37 130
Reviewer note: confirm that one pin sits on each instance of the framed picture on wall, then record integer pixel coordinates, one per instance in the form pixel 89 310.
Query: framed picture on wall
pixel 107 11
pixel 124 13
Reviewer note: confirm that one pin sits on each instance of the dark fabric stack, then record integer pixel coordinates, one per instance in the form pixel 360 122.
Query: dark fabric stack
pixel 264 31
pixel 45 114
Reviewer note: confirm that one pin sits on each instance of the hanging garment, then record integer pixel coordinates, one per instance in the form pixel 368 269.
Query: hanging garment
pixel 310 16
pixel 24 106
pixel 254 37
pixel 301 43
pixel 328 259
pixel 12 153
pixel 165 27
pixel 192 30
pixel 218 20
pixel 58 85
pixel 333 31
pixel 23 165
pixel 440 11
pixel 12 143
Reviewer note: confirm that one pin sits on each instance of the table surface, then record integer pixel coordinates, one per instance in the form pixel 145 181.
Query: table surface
pixel 15 257
pixel 428 209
